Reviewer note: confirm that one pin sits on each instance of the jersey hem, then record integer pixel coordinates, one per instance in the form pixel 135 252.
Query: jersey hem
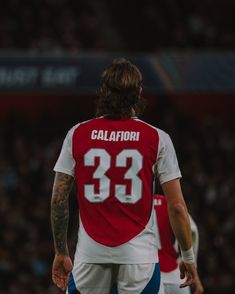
pixel 63 170
pixel 170 177
pixel 126 261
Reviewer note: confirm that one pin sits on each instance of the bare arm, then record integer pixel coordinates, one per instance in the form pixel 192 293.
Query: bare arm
pixel 60 211
pixel 178 213
pixel 62 264
pixel 179 218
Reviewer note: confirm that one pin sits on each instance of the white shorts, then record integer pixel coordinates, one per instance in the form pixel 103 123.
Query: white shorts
pixel 173 289
pixel 99 278
pixel 170 283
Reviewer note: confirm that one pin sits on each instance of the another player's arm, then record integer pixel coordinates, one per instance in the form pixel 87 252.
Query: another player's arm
pixel 60 211
pixel 62 265
pixel 195 237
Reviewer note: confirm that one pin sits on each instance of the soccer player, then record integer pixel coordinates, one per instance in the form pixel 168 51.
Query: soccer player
pixel 113 160
pixel 168 251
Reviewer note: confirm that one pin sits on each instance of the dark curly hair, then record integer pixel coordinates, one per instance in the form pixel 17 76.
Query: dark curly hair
pixel 120 91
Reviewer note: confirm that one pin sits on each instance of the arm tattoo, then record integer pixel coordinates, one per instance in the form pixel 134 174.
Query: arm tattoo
pixel 60 211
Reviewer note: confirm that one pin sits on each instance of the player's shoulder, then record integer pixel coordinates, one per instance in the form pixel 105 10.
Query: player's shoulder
pixel 73 129
pixel 83 124
pixel 144 123
pixel 159 131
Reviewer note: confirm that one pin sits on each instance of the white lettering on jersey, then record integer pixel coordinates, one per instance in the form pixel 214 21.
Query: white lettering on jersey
pixel 157 202
pixel 112 136
pixel 94 134
pixel 104 181
pixel 115 136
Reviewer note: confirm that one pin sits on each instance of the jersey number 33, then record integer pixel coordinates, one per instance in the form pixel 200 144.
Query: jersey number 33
pixel 105 182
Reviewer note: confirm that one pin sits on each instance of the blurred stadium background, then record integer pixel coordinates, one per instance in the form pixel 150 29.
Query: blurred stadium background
pixel 51 55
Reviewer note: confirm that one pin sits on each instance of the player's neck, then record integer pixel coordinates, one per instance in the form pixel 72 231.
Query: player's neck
pixel 132 114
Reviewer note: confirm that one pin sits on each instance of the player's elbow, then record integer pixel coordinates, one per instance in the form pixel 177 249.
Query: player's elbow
pixel 178 209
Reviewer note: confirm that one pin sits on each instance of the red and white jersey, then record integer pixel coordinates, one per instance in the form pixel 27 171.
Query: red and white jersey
pixel 167 252
pixel 114 164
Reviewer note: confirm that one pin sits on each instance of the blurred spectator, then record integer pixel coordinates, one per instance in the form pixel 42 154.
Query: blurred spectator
pixel 78 25
pixel 28 151
pixel 152 25
pixel 49 25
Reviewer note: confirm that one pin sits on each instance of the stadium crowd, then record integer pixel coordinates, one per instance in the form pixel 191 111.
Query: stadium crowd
pixel 28 151
pixel 75 26
pixel 53 25
pixel 175 24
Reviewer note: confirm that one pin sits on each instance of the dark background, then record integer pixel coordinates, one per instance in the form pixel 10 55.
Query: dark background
pixel 34 123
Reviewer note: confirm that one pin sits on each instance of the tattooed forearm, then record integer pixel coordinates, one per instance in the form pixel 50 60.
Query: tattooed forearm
pixel 60 211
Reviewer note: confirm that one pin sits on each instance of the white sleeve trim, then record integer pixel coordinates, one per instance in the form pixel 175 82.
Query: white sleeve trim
pixel 167 164
pixel 171 177
pixel 66 162
pixel 63 170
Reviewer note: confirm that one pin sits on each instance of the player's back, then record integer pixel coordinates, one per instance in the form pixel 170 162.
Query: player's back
pixel 167 252
pixel 114 160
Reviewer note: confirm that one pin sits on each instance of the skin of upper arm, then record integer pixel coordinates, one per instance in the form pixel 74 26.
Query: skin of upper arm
pixel 178 213
pixel 60 211
pixel 172 191
pixel 62 186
